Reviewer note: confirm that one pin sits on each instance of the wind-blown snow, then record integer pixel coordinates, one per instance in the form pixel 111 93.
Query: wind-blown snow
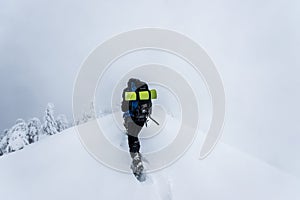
pixel 60 168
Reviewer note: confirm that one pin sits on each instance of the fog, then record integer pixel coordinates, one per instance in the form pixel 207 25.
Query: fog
pixel 254 44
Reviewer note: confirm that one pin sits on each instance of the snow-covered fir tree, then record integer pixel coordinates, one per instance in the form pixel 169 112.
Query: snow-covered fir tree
pixel 17 136
pixel 3 142
pixel 22 133
pixel 3 133
pixel 50 125
pixel 34 130
pixel 62 123
pixel 88 114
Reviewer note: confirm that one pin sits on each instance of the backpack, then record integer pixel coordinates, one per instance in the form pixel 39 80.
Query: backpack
pixel 139 108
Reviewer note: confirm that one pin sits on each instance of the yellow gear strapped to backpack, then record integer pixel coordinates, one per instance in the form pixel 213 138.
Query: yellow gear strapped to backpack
pixel 143 95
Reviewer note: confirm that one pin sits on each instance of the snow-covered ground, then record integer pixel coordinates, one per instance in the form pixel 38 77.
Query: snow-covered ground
pixel 60 168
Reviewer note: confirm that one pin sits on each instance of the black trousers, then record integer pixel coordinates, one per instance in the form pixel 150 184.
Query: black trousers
pixel 133 128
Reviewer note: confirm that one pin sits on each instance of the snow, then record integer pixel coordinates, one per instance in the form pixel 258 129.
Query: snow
pixel 50 125
pixel 59 167
pixel 21 134
pixel 17 136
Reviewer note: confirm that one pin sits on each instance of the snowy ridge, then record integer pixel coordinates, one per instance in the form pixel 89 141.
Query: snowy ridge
pixel 24 133
pixel 60 168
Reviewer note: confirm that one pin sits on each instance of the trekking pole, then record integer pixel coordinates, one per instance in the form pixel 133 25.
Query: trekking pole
pixel 154 120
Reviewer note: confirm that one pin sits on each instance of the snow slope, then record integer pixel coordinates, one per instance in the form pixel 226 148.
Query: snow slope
pixel 60 168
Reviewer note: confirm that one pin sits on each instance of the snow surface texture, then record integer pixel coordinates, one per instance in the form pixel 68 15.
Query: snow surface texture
pixel 60 168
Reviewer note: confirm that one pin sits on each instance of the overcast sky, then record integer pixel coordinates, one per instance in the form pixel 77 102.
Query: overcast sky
pixel 254 44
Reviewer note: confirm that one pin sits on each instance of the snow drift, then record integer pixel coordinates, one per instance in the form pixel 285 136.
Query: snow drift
pixel 60 168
